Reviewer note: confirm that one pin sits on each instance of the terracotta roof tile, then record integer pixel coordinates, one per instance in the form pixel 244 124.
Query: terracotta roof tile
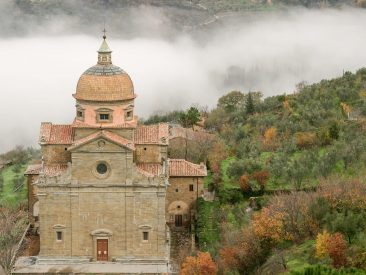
pixel 51 170
pixel 183 168
pixel 55 134
pixel 107 135
pixel 145 173
pixel 105 87
pixel 152 168
pixel 177 168
pixel 152 134
pixel 79 124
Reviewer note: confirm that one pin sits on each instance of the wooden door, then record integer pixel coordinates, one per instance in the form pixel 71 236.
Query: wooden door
pixel 178 220
pixel 102 250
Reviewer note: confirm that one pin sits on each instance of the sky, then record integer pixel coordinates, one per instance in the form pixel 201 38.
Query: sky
pixel 270 53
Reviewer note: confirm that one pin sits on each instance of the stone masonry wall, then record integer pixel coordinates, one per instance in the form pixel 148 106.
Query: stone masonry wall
pixel 179 195
pixel 55 154
pixel 124 212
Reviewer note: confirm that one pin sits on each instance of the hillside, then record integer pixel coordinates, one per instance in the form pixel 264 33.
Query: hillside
pixel 123 18
pixel 13 188
pixel 288 172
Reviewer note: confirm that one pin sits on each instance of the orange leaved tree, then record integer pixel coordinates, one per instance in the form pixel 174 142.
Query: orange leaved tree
pixel 261 177
pixel 332 245
pixel 268 224
pixel 202 264
pixel 337 250
pixel 244 183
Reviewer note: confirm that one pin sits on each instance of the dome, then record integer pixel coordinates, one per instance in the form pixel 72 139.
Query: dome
pixel 104 81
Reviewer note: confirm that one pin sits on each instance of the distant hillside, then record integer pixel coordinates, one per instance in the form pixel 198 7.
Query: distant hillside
pixel 149 17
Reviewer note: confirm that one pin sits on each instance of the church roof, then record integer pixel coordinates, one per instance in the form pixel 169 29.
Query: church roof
pixel 104 81
pixel 177 168
pixel 107 135
pixel 55 134
pixel 151 168
pixel 107 86
pixel 152 134
pixel 183 168
pixel 127 124
pixel 50 170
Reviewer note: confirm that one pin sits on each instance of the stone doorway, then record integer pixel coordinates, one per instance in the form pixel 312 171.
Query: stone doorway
pixel 102 249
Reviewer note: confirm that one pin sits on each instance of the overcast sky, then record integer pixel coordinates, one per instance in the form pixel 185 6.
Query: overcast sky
pixel 269 53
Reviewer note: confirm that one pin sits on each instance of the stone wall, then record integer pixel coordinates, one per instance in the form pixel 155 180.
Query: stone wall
pixel 120 214
pixel 180 199
pixel 150 153
pixel 32 196
pixel 55 154
pixel 85 159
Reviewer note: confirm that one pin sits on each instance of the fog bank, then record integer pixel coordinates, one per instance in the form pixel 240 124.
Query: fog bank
pixel 268 53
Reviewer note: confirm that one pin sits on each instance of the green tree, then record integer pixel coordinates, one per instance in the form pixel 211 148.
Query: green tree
pixel 231 101
pixel 349 223
pixel 190 118
pixel 249 104
pixel 334 130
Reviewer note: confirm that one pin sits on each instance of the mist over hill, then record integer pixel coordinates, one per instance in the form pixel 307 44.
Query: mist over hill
pixel 175 54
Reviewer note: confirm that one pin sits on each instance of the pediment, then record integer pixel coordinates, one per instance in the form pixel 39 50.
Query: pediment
pixel 102 141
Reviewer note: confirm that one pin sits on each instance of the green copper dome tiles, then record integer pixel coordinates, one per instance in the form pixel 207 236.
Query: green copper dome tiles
pixel 104 70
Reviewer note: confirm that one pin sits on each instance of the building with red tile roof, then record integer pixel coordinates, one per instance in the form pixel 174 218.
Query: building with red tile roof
pixel 104 175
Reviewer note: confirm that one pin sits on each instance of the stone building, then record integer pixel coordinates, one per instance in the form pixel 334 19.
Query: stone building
pixel 106 190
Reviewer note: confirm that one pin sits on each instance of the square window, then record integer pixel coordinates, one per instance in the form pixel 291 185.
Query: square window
pixel 191 187
pixel 104 116
pixel 145 236
pixel 80 113
pixel 129 114
pixel 176 190
pixel 59 236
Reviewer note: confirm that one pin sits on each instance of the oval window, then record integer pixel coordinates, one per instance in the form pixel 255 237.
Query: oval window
pixel 102 168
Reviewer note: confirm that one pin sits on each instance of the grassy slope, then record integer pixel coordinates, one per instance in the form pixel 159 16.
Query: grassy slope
pixel 208 231
pixel 8 196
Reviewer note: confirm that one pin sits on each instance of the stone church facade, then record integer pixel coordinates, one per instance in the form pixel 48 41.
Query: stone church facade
pixel 106 190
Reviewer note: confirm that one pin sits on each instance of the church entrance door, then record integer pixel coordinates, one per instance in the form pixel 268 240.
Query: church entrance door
pixel 178 220
pixel 102 250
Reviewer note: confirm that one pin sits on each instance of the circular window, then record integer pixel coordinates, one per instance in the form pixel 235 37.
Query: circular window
pixel 101 143
pixel 102 168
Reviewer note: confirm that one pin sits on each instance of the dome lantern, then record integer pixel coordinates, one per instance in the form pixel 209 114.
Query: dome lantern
pixel 104 52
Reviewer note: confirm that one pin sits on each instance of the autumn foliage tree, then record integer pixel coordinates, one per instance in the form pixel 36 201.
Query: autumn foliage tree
pixel 270 138
pixel 244 183
pixel 337 250
pixel 322 240
pixel 229 258
pixel 268 225
pixel 305 139
pixel 332 245
pixel 202 264
pixel 261 177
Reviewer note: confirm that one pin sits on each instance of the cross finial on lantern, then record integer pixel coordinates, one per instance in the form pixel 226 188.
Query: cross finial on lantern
pixel 104 34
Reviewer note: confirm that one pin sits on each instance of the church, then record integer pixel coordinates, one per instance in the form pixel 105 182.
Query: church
pixel 106 195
